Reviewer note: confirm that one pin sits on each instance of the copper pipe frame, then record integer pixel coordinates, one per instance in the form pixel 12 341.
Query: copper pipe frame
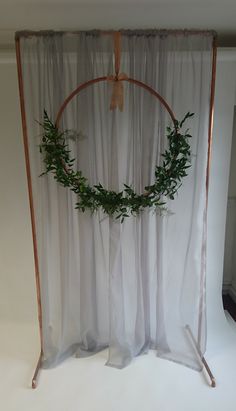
pixel 58 117
pixel 31 204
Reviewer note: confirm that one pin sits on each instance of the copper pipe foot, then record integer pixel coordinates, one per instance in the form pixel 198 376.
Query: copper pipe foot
pixel 201 356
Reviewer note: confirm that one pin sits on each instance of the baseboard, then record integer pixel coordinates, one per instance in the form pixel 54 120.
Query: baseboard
pixel 231 290
pixel 230 318
pixel 232 293
pixel 225 288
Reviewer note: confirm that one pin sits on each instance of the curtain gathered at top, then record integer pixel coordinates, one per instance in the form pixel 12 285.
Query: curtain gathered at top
pixel 138 285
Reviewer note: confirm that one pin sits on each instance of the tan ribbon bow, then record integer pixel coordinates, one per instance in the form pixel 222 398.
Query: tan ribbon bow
pixel 117 97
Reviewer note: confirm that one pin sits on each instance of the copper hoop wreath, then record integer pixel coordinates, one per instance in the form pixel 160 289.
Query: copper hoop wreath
pixel 101 79
pixel 116 79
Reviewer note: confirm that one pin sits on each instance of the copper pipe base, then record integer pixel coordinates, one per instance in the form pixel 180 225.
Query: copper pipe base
pixel 36 373
pixel 201 356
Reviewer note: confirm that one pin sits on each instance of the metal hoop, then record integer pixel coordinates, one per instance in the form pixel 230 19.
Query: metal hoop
pixel 101 79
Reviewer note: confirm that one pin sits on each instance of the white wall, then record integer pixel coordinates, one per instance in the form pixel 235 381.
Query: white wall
pixel 229 283
pixel 17 287
pixel 230 232
pixel 229 268
pixel 232 177
pixel 219 176
pixel 17 291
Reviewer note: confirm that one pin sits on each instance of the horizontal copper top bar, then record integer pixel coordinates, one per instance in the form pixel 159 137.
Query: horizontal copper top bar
pixel 126 32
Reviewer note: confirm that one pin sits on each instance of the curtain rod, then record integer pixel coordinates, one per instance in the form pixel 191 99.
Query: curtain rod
pixel 127 32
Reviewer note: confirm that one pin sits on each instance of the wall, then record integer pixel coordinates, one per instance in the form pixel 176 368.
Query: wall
pixel 219 175
pixel 230 233
pixel 17 291
pixel 229 268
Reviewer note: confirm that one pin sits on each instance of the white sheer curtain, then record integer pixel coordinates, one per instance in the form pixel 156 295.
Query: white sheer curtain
pixel 136 285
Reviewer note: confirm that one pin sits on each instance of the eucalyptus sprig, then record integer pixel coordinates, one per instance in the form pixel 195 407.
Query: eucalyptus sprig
pixel 168 176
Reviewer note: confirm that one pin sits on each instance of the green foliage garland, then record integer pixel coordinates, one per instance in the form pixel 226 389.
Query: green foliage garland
pixel 168 176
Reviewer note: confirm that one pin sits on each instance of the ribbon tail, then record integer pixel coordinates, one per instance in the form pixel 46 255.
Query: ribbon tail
pixel 120 97
pixel 117 98
pixel 114 96
pixel 113 103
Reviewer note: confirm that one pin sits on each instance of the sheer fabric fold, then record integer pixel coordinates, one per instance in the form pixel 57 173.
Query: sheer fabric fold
pixel 134 286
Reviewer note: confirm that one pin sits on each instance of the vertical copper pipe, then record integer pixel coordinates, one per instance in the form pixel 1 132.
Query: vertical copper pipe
pixel 211 114
pixel 30 192
pixel 210 135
